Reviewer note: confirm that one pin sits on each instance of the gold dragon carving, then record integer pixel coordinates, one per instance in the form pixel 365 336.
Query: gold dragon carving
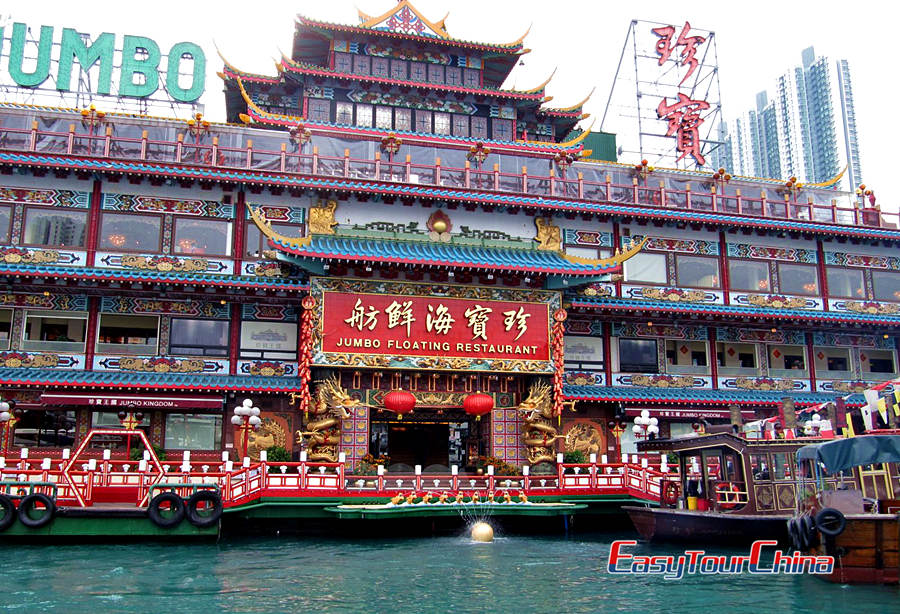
pixel 329 408
pixel 539 434
pixel 321 218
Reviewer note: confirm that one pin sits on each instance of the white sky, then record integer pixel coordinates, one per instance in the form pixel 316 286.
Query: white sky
pixel 757 41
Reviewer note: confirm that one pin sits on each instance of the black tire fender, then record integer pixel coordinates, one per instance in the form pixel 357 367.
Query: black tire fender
pixel 793 529
pixel 200 520
pixel 156 517
pixel 830 522
pixel 8 517
pixel 28 503
pixel 808 532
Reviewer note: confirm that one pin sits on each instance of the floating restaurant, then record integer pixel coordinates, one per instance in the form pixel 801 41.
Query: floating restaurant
pixel 401 264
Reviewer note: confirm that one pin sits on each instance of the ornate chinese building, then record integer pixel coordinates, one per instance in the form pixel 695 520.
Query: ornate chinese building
pixel 392 255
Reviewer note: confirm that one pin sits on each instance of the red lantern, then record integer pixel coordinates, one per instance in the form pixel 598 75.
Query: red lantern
pixel 400 401
pixel 478 404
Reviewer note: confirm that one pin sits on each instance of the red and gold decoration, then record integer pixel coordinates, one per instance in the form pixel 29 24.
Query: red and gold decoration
pixel 304 355
pixel 245 419
pixel 9 416
pixel 792 187
pixel 866 194
pixel 322 432
pixel 400 402
pixel 92 118
pixel 197 126
pixel 478 404
pixel 643 170
pixel 539 434
pixel 130 421
pixel 564 160
pixel 559 317
pixel 478 153
pixel 721 178
pixel 391 145
pixel 439 226
pixel 617 427
pixel 300 135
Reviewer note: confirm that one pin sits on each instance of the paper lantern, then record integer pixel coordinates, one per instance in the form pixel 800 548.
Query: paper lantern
pixel 478 404
pixel 400 401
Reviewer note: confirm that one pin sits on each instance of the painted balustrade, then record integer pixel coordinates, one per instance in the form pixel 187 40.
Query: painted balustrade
pixel 78 140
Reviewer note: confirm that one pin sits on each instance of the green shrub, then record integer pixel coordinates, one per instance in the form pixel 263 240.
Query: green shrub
pixel 278 454
pixel 574 457
pixel 137 453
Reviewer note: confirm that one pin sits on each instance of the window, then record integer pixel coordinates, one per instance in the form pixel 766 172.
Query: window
pixel 502 129
pixel 361 64
pixel 417 71
pixel 798 279
pixel 846 283
pixel 5 327
pixel 38 429
pixel 398 70
pixel 735 358
pixel 54 228
pixel 686 356
pixel 380 67
pixel 343 62
pixel 193 431
pixel 364 115
pixel 319 110
pixel 202 236
pixel 120 232
pixel 479 127
pixel 887 285
pixel 787 360
pixel 255 243
pixel 460 125
pixel 5 216
pixel 199 337
pixel 877 361
pixel 584 352
pixel 697 272
pixel 442 123
pixel 423 121
pixel 383 118
pixel 127 334
pixel 781 463
pixel 638 356
pixel 269 340
pixel 471 77
pixel 453 75
pixel 646 267
pixel 435 73
pixel 344 113
pixel 107 419
pixel 749 275
pixel 54 331
pixel 402 119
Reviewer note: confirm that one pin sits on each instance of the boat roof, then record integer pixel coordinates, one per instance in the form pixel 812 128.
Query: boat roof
pixel 841 454
pixel 717 440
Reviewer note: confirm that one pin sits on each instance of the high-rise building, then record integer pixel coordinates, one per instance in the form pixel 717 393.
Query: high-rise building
pixel 807 129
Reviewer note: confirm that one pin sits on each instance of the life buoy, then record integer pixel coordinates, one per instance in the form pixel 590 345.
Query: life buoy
pixel 206 517
pixel 671 492
pixel 722 492
pixel 830 522
pixel 8 508
pixel 28 505
pixel 174 517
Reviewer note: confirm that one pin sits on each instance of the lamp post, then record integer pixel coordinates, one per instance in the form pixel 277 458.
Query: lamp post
pixel 645 427
pixel 130 421
pixel 245 419
pixel 813 426
pixel 9 415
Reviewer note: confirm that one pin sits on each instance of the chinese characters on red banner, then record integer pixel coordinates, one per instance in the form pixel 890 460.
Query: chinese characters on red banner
pixel 664 47
pixel 434 326
pixel 684 120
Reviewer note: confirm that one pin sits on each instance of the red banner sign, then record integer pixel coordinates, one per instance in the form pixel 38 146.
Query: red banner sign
pixel 394 325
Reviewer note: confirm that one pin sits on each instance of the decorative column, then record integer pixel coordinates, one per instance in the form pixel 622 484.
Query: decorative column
pixel 304 351
pixel 93 228
pixel 557 352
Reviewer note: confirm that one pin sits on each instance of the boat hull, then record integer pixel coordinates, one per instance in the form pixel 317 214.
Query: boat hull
pixel 683 526
pixel 866 552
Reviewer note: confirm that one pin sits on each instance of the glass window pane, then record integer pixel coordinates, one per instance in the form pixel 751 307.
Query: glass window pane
pixel 202 236
pixel 52 429
pixel 788 357
pixel 453 75
pixel 748 275
pixel 460 125
pixel 638 356
pixel 479 127
pixel 798 279
pixel 319 110
pixel 5 327
pixel 423 121
pixel 193 431
pixel 887 285
pixel 199 337
pixel 364 115
pixel 383 118
pixel 361 64
pixel 502 129
pixel 55 331
pixel 252 241
pixel 127 334
pixel 54 228
pixel 344 113
pixel 417 72
pixel 442 123
pixel 398 69
pixel 5 216
pixel 472 77
pixel 130 232
pixel 380 67
pixel 646 267
pixel 435 73
pixel 402 119
pixel 877 361
pixel 343 62
pixel 697 272
pixel 846 283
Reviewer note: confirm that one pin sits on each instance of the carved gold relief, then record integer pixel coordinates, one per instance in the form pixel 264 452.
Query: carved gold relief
pixel 675 295
pixel 321 218
pixel 539 433
pixel 15 255
pixel 22 360
pixel 585 437
pixel 165 264
pixel 778 302
pixel 162 365
pixel 871 308
pixel 322 433
pixel 549 236
pixel 763 383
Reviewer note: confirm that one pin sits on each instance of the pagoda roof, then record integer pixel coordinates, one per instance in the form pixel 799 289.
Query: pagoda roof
pixel 432 253
pixel 698 396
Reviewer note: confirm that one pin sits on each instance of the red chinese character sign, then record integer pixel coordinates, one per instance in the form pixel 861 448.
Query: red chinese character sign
pixel 684 120
pixel 421 326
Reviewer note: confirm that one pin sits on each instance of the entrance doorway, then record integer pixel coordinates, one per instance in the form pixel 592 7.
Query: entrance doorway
pixel 436 445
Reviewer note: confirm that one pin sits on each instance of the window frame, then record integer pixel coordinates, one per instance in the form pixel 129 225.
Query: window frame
pixel 321 105
pixel 888 274
pixel 172 345
pixel 6 237
pixel 845 270
pixel 229 235
pixel 780 266
pixel 105 351
pixel 159 245
pixel 37 208
pixel 679 260
pixel 764 263
pixel 443 123
pixel 343 113
pixel 218 430
pixel 362 109
pixel 8 339
pixel 407 115
pixel 645 254
pixel 264 354
pixel 261 239
pixel 655 342
pixel 28 344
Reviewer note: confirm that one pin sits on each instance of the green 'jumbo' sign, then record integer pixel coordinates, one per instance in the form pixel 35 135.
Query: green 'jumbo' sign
pixel 139 67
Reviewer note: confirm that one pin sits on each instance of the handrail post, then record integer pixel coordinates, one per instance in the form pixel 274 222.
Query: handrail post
pixel 346 163
pixel 178 147
pixel 687 195
pixel 608 188
pixel 552 182
pixel 377 165
pixel 496 177
pixel 315 160
pixel 714 196
pixel 214 152
pixel 249 162
pixel 71 140
pixel 467 172
pixel 580 184
pixel 740 204
pixel 143 145
pixel 663 200
pixel 524 180
pixel 765 203
pixel 34 131
pixel 437 171
pixel 283 157
pixel 634 190
pixel 107 142
pixel 407 168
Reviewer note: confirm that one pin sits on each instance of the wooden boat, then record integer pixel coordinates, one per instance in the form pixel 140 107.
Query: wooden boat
pixel 742 490
pixel 866 546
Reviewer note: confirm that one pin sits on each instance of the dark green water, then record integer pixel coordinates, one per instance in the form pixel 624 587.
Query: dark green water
pixel 441 574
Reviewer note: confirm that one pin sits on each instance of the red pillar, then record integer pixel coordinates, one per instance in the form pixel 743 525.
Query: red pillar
pixel 823 278
pixel 90 340
pixel 811 359
pixel 234 348
pixel 714 357
pixel 240 221
pixel 93 228
pixel 723 266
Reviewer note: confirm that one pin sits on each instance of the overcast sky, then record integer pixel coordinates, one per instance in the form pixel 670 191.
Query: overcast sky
pixel 757 41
